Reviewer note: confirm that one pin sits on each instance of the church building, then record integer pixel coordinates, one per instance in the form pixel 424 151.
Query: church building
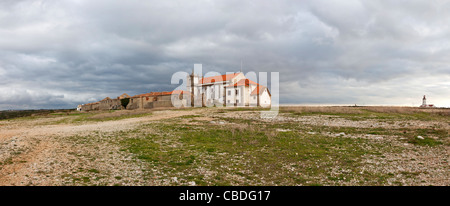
pixel 227 90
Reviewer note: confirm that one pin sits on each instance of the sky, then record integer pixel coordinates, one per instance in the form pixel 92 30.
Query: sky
pixel 61 53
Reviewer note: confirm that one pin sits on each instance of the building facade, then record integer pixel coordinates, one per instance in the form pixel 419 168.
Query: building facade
pixel 227 90
pixel 223 90
pixel 158 99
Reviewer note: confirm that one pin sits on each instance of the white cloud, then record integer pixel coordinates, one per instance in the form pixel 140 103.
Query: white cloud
pixel 372 52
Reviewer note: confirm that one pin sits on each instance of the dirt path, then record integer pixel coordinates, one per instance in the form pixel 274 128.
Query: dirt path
pixel 36 154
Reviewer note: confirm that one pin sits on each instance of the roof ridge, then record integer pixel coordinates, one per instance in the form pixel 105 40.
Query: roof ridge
pixel 224 77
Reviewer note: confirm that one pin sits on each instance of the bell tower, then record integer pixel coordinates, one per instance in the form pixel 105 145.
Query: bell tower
pixel 192 81
pixel 193 85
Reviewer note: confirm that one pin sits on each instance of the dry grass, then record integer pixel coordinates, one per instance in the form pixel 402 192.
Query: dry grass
pixel 361 110
pixel 319 109
pixel 215 146
pixel 410 110
pixel 120 113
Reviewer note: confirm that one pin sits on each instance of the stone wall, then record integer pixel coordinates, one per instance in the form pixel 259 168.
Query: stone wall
pixel 110 104
pixel 96 106
pixel 140 102
pixel 145 101
pixel 160 104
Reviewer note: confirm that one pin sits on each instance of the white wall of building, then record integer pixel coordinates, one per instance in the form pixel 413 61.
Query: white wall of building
pixel 264 99
pixel 253 101
pixel 216 91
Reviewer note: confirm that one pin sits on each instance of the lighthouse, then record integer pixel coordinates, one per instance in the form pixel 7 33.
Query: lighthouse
pixel 424 103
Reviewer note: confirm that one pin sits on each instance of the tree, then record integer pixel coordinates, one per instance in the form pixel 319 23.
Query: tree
pixel 125 102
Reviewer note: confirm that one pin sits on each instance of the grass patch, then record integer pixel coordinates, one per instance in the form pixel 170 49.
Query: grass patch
pixel 409 134
pixel 256 152
pixel 94 171
pixel 32 114
pixel 99 116
pixel 145 148
pixel 236 109
pixel 378 113
pixel 425 142
pixel 189 116
pixel 251 155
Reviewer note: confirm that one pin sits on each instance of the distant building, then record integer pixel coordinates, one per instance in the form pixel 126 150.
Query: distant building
pixel 158 99
pixel 229 90
pixel 424 103
pixel 140 101
pixel 225 90
pixel 90 106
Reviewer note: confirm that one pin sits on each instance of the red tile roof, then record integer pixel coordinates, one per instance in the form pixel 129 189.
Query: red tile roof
pixel 152 94
pixel 220 78
pixel 123 96
pixel 141 95
pixel 243 82
pixel 92 103
pixel 160 93
pixel 107 98
pixel 259 90
pixel 180 92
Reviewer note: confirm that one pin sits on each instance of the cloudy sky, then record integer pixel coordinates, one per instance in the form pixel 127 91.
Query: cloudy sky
pixel 57 54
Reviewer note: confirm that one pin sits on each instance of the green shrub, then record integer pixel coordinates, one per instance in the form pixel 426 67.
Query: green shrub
pixel 125 102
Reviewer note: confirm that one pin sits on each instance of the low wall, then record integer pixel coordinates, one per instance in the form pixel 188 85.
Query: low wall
pixel 160 104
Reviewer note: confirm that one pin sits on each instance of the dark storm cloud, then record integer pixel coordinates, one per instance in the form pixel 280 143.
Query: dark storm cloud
pixel 56 54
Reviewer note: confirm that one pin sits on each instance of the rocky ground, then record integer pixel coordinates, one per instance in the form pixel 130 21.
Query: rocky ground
pixel 99 149
pixel 41 151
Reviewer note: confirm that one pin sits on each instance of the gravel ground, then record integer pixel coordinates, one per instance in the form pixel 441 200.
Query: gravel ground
pixel 34 153
pixel 38 151
pixel 429 165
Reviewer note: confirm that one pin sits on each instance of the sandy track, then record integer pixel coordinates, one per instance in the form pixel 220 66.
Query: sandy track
pixel 26 148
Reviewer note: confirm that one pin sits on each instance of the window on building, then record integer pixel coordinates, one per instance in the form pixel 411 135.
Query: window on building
pixel 237 101
pixel 254 97
pixel 237 92
pixel 228 101
pixel 229 92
